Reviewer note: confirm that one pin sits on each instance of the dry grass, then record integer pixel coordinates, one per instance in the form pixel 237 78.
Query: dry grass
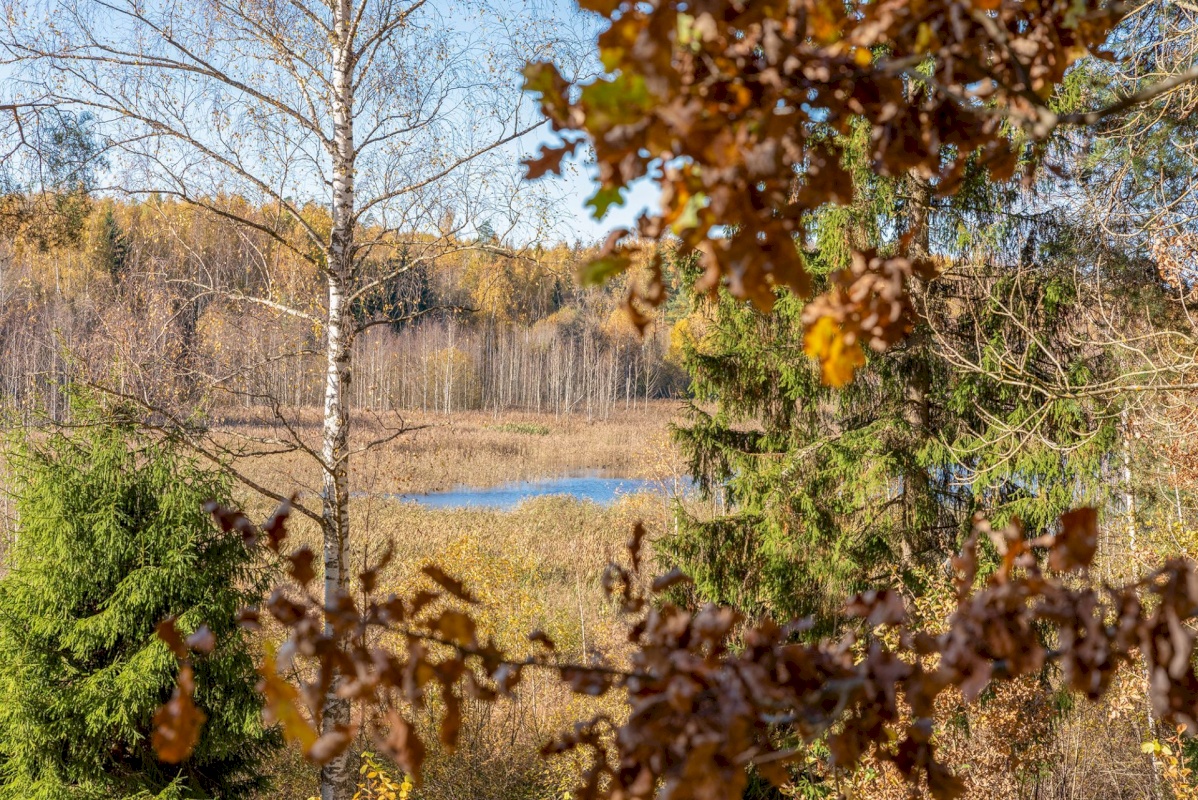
pixel 553 535
pixel 475 449
pixel 536 567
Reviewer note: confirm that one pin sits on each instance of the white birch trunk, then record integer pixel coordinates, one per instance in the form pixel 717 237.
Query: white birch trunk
pixel 336 777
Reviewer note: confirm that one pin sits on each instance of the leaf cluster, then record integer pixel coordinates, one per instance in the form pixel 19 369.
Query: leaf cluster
pixel 708 690
pixel 728 106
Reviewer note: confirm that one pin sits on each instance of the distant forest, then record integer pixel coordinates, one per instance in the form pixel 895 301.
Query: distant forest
pixel 159 297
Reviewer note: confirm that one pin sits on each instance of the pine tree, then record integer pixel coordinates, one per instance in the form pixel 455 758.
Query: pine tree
pixel 112 539
pixel 833 491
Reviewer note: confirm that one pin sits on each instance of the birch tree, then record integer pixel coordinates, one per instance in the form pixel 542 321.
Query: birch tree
pixel 370 128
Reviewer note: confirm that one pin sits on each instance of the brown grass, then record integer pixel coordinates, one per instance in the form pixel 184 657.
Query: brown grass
pixel 475 449
pixel 536 567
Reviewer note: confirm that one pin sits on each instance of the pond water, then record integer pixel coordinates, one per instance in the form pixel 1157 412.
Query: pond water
pixel 599 489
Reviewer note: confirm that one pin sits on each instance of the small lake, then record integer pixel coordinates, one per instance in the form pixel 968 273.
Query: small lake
pixel 595 488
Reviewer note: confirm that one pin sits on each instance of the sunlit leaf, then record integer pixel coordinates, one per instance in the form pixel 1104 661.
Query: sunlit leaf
pixel 283 706
pixel 600 270
pixel 839 360
pixel 177 724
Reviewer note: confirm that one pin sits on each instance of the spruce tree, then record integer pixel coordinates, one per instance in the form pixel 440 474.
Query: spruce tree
pixel 112 539
pixel 111 251
pixel 833 491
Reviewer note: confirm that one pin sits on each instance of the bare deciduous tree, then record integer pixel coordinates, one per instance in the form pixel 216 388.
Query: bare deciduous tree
pixel 378 132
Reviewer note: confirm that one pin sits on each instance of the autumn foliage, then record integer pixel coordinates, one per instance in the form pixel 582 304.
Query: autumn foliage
pixel 733 108
pixel 710 694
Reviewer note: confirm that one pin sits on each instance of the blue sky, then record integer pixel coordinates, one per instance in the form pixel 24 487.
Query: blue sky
pixel 572 190
pixel 579 184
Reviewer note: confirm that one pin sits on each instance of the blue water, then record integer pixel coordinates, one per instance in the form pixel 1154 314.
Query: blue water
pixel 597 489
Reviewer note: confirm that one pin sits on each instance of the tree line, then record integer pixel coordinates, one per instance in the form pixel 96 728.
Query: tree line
pixel 123 282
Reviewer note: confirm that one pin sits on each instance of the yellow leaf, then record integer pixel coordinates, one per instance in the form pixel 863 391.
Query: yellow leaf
pixel 282 701
pixel 925 38
pixel 455 626
pixel 839 359
pixel 823 22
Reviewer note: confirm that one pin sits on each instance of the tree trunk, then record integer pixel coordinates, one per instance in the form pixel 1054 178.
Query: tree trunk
pixel 916 412
pixel 336 777
pixel 1129 501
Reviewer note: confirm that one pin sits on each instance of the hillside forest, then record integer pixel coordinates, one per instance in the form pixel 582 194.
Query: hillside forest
pixel 344 458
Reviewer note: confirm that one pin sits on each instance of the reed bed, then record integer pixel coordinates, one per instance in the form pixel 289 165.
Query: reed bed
pixel 476 449
pixel 538 566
